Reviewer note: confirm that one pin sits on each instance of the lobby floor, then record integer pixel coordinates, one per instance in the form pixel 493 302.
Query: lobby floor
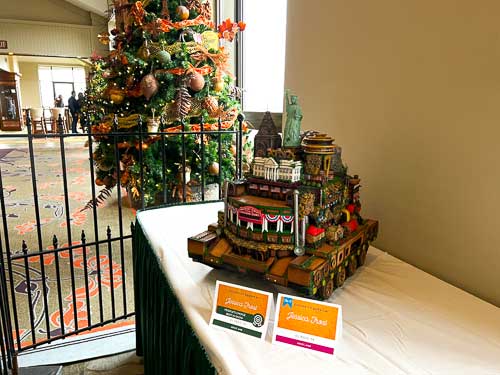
pixel 120 364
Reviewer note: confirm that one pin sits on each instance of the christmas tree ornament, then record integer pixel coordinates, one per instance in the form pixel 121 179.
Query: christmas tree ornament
pixel 149 86
pixel 182 102
pixel 109 181
pixel 213 168
pixel 233 150
pixel 145 146
pixel 182 12
pixel 211 105
pixel 144 52
pixel 164 57
pixel 206 10
pixel 153 123
pixel 116 95
pixel 130 81
pixel 218 84
pixel 196 81
pixel 164 10
pixel 103 38
pixel 194 5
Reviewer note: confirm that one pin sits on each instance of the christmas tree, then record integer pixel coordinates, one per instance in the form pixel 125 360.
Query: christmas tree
pixel 168 69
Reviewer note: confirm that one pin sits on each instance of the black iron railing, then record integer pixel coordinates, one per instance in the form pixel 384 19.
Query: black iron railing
pixel 25 321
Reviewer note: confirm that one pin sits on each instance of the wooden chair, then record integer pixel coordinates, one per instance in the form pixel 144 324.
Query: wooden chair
pixel 38 120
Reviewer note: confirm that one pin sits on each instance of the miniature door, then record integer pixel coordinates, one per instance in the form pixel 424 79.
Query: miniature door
pixel 10 102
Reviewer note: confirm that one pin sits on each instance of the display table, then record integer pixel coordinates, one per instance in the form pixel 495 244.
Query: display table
pixel 397 319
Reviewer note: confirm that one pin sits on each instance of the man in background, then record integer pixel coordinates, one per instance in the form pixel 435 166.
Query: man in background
pixel 74 108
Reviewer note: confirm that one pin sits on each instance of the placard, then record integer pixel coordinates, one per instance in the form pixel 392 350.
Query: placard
pixel 307 324
pixel 241 309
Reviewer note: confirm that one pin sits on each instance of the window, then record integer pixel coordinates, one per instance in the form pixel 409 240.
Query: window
pixel 263 59
pixel 272 227
pixel 60 80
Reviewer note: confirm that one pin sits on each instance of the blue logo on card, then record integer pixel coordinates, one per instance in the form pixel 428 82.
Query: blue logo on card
pixel 288 301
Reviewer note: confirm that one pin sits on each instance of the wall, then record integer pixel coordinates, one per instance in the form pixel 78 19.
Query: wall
pixel 411 90
pixel 44 11
pixel 50 28
pixel 30 90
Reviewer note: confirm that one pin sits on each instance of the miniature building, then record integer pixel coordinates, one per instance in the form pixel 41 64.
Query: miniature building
pixel 337 166
pixel 269 169
pixel 297 227
pixel 318 149
pixel 267 137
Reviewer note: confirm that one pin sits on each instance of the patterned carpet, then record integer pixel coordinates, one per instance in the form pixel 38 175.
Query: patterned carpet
pixel 106 266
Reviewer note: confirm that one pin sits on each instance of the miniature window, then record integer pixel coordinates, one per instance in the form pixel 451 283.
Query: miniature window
pixel 272 227
pixel 287 227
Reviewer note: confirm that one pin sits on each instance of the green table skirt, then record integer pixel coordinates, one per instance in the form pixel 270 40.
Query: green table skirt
pixel 164 337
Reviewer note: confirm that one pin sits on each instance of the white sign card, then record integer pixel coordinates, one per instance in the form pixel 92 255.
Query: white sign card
pixel 307 324
pixel 241 309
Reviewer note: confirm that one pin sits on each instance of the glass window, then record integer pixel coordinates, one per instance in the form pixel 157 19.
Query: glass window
pixel 264 42
pixel 62 74
pixel 60 80
pixel 44 73
pixel 47 93
pixel 79 75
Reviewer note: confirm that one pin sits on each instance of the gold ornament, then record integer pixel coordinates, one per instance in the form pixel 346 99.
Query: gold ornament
pixel 103 38
pixel 213 169
pixel 182 12
pixel 117 96
pixel 144 52
pixel 218 84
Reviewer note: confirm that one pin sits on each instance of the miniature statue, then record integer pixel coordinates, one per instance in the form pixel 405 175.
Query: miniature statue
pixel 293 119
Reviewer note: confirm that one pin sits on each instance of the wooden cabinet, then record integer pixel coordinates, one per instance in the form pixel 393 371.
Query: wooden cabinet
pixel 11 117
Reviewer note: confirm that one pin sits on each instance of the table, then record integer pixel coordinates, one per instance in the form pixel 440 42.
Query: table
pixel 397 319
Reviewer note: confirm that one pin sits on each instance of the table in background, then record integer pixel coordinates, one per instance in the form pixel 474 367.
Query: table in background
pixel 397 319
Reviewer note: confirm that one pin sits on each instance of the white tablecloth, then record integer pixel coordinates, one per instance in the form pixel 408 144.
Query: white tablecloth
pixel 397 319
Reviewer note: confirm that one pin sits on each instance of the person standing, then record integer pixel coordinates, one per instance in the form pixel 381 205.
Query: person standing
pixel 80 100
pixel 59 102
pixel 74 108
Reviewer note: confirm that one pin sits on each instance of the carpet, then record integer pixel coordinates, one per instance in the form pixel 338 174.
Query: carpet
pixel 106 263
